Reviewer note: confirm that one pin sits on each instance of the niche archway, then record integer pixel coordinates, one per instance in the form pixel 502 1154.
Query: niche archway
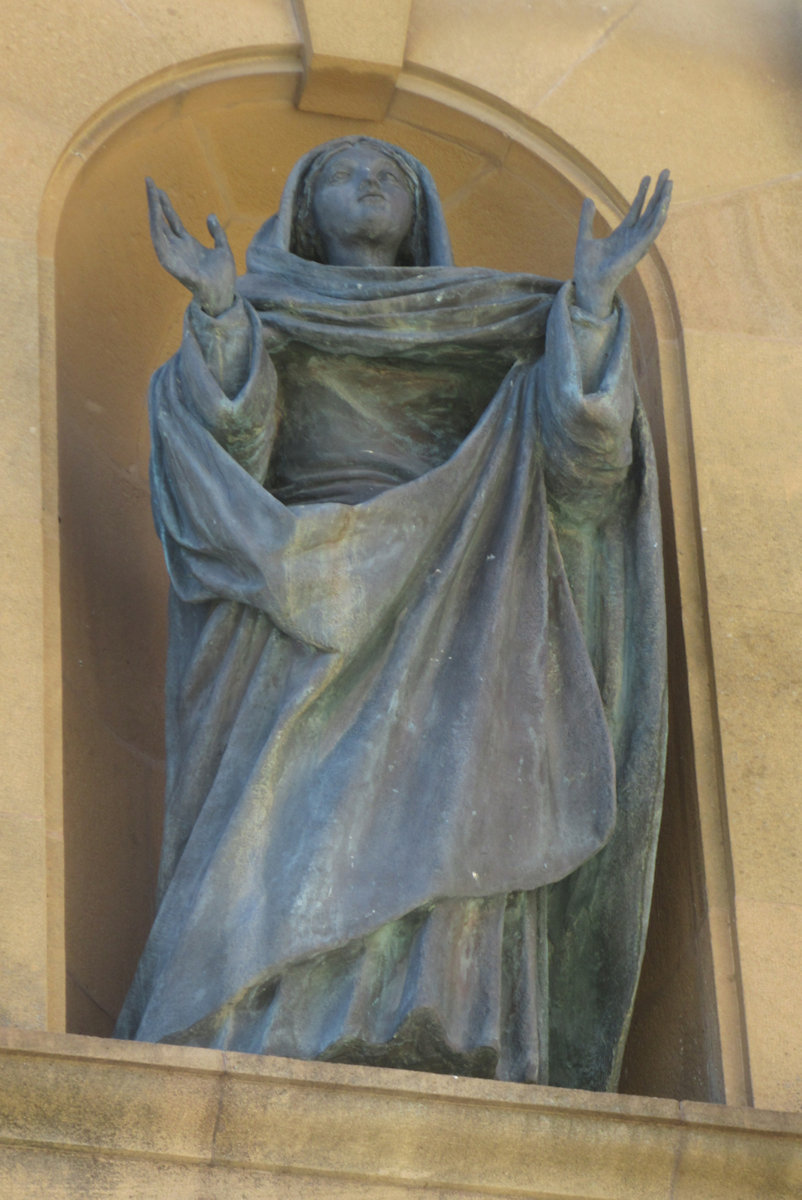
pixel 225 143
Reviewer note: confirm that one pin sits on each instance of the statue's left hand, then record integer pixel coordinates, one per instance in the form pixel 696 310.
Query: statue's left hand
pixel 600 264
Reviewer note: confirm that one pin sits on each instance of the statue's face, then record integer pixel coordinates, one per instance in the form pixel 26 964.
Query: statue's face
pixel 362 200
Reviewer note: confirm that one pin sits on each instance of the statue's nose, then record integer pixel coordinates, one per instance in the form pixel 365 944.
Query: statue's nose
pixel 370 177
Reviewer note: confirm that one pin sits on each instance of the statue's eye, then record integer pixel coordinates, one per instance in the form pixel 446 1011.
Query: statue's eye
pixel 339 176
pixel 384 176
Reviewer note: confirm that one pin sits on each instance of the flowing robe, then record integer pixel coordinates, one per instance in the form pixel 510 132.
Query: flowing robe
pixel 416 684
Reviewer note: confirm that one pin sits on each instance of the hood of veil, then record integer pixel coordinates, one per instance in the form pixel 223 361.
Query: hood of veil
pixel 427 310
pixel 276 233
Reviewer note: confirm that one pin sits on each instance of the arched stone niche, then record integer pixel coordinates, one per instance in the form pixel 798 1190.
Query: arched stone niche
pixel 224 142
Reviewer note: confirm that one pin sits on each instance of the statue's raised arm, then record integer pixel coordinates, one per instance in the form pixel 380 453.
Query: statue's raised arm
pixel 587 404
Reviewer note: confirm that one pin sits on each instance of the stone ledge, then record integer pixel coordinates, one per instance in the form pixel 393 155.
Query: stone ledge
pixel 92 1117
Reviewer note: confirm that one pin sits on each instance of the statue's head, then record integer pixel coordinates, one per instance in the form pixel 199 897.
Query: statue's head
pixel 359 190
pixel 315 205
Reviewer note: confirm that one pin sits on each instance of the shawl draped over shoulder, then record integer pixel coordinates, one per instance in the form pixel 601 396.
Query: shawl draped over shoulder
pixel 416 674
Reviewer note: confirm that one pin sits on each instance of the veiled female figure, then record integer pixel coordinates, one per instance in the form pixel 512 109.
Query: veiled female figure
pixel 416 676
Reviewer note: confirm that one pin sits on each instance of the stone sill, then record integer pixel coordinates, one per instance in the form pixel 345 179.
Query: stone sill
pixel 89 1117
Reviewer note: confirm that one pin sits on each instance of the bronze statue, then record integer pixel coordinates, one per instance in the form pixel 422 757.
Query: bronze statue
pixel 416 676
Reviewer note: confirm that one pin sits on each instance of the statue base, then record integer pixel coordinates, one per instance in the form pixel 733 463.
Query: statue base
pixel 89 1117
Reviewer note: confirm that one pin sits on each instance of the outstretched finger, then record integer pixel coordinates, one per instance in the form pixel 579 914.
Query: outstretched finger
pixel 637 204
pixel 663 183
pixel 657 211
pixel 586 219
pixel 171 216
pixel 155 208
pixel 158 225
pixel 217 232
pixel 153 196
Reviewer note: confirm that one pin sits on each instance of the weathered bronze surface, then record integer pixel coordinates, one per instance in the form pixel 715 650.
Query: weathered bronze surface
pixel 416 677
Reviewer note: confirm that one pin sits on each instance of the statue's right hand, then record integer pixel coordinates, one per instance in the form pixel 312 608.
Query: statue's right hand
pixel 209 273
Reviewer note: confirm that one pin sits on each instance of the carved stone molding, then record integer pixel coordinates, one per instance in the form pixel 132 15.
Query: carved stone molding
pixel 353 53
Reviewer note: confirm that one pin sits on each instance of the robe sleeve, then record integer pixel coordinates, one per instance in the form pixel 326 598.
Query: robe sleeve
pixel 228 382
pixel 586 436
pixel 602 486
